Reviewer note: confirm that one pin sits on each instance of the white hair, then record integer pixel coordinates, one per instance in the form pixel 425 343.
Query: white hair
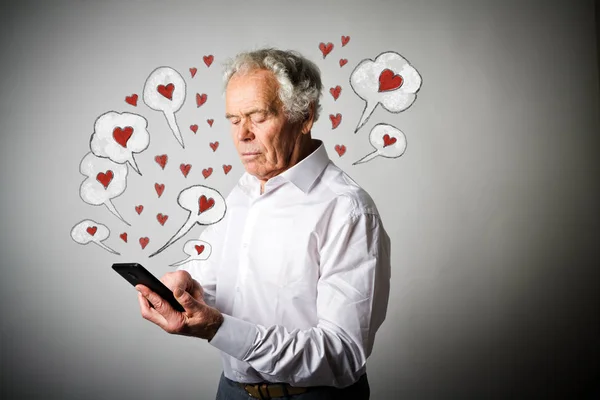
pixel 299 78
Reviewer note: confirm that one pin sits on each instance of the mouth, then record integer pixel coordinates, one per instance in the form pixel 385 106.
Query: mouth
pixel 250 153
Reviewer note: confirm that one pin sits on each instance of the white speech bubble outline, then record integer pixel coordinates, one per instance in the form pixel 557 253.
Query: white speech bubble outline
pixel 92 191
pixel 364 80
pixel 376 138
pixel 156 101
pixel 189 199
pixel 103 143
pixel 80 235
pixel 189 248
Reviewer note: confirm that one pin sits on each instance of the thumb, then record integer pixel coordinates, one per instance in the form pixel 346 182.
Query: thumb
pixel 185 299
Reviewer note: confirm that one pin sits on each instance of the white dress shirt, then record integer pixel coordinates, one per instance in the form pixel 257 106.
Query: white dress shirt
pixel 301 274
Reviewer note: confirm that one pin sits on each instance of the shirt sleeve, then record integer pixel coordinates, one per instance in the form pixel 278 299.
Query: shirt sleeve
pixel 352 298
pixel 205 271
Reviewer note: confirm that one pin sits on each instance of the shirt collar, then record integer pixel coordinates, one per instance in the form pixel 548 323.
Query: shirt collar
pixel 303 175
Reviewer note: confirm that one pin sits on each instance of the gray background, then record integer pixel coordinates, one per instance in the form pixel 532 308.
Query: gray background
pixel 492 210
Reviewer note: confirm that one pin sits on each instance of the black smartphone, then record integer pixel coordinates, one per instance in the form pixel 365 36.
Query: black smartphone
pixel 135 274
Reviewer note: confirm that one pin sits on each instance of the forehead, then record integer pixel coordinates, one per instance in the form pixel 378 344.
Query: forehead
pixel 251 89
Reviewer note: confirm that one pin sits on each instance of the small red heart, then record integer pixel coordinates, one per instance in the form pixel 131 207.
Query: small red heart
pixel 166 91
pixel 160 188
pixel 335 92
pixel 389 81
pixel 387 140
pixel 123 236
pixel 199 249
pixel 92 230
pixel 161 160
pixel 325 48
pixel 340 149
pixel 205 204
pixel 210 121
pixel 105 178
pixel 345 40
pixel 144 242
pixel 335 120
pixel 206 172
pixel 200 99
pixel 208 59
pixel 194 128
pixel 162 218
pixel 226 168
pixel 343 61
pixel 122 136
pixel 132 99
pixel 214 146
pixel 139 209
pixel 193 71
pixel 185 169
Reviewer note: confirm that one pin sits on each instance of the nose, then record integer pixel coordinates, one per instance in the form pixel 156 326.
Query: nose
pixel 244 132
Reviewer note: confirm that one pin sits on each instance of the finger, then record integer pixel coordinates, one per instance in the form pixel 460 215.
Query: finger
pixel 150 313
pixel 161 307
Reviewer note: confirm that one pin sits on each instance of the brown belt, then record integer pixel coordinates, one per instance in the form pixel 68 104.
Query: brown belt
pixel 272 390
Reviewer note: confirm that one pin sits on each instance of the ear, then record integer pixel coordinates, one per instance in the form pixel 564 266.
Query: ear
pixel 308 120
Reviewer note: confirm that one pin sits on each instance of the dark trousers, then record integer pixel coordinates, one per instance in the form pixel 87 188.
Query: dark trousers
pixel 230 390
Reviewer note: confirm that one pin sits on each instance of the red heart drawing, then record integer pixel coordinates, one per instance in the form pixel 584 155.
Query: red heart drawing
pixel 185 169
pixel 144 242
pixel 121 136
pixel 345 40
pixel 92 230
pixel 335 92
pixel 199 249
pixel 389 81
pixel 210 121
pixel 387 140
pixel 132 99
pixel 226 168
pixel 205 204
pixel 214 146
pixel 162 218
pixel 335 120
pixel 166 91
pixel 123 236
pixel 340 149
pixel 325 48
pixel 343 61
pixel 139 209
pixel 193 71
pixel 206 172
pixel 160 188
pixel 161 160
pixel 200 99
pixel 194 128
pixel 208 59
pixel 105 178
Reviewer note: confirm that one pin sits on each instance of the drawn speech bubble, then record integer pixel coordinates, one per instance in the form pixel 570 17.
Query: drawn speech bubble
pixel 118 135
pixel 164 91
pixel 105 181
pixel 388 141
pixel 389 80
pixel 88 231
pixel 196 250
pixel 206 207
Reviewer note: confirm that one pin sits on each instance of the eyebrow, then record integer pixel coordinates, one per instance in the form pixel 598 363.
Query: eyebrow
pixel 250 112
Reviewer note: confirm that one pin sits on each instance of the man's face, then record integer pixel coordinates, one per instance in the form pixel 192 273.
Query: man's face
pixel 263 136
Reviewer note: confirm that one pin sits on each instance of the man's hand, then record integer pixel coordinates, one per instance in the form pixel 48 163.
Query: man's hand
pixel 198 320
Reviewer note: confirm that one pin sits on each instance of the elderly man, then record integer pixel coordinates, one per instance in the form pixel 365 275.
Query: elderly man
pixel 298 280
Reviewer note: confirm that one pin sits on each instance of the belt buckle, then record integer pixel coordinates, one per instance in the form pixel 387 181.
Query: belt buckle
pixel 256 391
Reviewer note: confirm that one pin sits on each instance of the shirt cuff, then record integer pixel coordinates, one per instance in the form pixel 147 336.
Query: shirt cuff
pixel 234 337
